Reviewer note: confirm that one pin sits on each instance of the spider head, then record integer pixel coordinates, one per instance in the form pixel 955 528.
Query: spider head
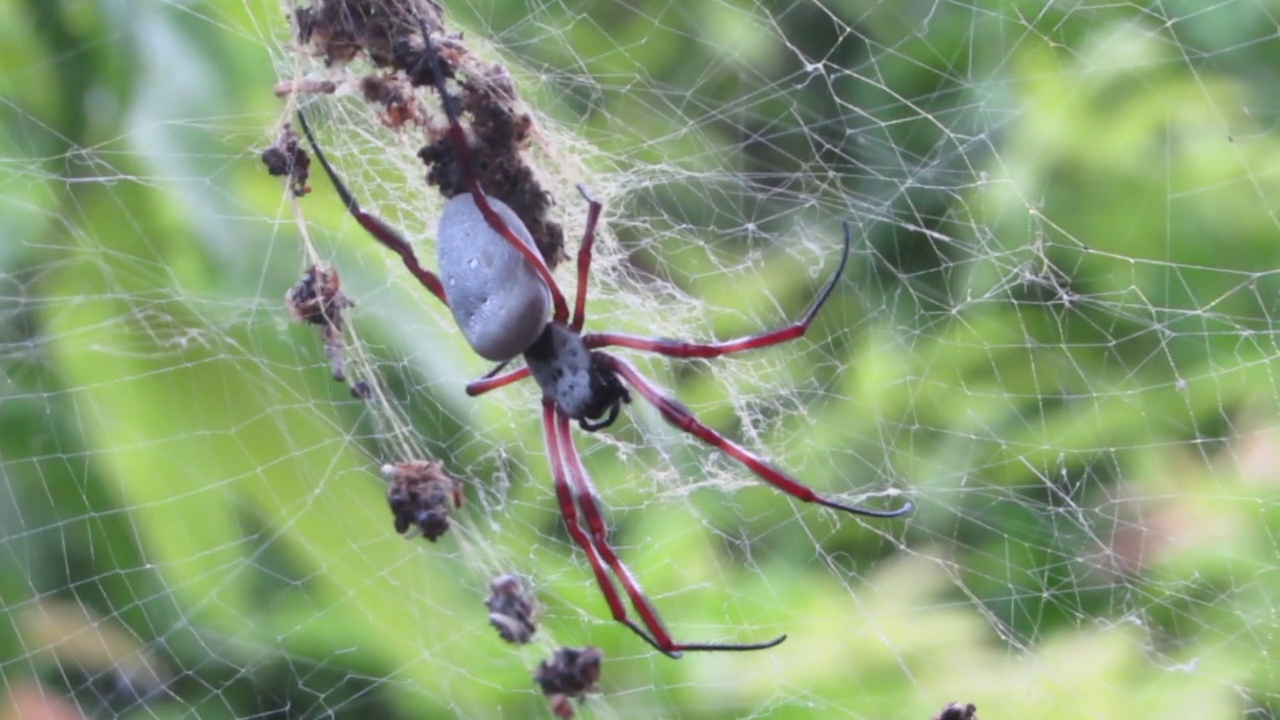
pixel 607 396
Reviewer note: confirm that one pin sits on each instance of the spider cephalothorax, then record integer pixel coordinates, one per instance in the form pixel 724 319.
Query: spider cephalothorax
pixel 579 380
pixel 500 292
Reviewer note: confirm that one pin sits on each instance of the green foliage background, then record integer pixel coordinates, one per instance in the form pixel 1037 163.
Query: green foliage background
pixel 1090 440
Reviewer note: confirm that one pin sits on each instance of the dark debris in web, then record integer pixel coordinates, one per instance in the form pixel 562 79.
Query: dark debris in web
pixel 568 675
pixel 286 158
pixel 421 497
pixel 958 711
pixel 317 299
pixel 512 610
pixel 380 43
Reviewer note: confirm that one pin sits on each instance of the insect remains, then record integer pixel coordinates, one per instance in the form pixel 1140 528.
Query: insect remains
pixel 317 300
pixel 388 35
pixel 568 675
pixel 285 159
pixel 509 307
pixel 512 611
pixel 956 711
pixel 421 496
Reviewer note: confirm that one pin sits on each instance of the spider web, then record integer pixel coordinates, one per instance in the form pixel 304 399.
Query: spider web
pixel 1055 336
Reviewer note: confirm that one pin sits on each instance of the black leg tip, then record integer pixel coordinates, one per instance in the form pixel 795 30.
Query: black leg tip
pixel 867 512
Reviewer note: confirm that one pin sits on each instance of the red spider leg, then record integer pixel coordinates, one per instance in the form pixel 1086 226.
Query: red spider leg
pixel 477 192
pixel 381 231
pixel 487 383
pixel 584 257
pixel 569 511
pixel 585 493
pixel 679 348
pixel 680 416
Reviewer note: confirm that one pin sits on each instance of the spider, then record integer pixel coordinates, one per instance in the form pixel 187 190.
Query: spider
pixel 498 288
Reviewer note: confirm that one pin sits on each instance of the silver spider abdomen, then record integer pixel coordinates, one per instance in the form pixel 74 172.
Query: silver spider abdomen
pixel 496 296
